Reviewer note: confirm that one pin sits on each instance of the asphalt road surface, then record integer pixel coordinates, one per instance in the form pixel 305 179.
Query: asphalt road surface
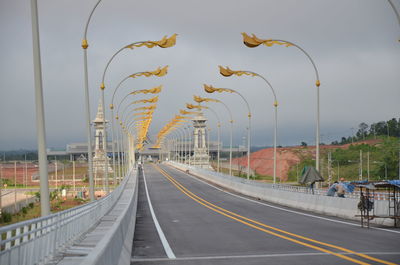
pixel 188 221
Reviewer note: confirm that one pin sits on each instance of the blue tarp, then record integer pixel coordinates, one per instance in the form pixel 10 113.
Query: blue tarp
pixel 349 187
pixel 394 182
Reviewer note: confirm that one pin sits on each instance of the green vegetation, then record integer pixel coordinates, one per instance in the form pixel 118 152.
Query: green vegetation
pixel 365 131
pixel 383 161
pixel 33 210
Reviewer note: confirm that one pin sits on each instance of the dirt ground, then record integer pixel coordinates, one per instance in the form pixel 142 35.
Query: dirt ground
pixel 8 172
pixel 262 161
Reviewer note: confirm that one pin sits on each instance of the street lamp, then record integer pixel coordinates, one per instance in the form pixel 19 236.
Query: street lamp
pixel 40 120
pixel 253 42
pixel 228 72
pixel 120 118
pixel 395 11
pixel 199 100
pixel 211 89
pixel 163 43
pixel 112 117
pixel 85 45
pixel 158 72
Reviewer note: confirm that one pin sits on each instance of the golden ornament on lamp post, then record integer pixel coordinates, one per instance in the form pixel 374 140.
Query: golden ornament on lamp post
pixel 85 46
pixel 211 89
pixel 199 99
pixel 227 72
pixel 163 43
pixel 252 42
pixel 154 90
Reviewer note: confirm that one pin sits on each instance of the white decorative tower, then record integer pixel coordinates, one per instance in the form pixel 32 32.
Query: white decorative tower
pixel 100 159
pixel 200 153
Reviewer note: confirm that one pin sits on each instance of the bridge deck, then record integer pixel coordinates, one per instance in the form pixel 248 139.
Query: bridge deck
pixel 204 225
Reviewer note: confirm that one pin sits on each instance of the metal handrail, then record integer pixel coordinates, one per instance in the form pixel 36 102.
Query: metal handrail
pixel 38 240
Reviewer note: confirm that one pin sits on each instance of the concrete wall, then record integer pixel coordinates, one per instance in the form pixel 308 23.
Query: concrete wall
pixel 333 206
pixel 11 209
pixel 116 245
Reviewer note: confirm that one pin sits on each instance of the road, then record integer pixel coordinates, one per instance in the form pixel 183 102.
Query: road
pixel 201 224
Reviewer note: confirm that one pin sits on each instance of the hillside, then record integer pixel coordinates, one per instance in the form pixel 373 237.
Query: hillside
pixel 288 157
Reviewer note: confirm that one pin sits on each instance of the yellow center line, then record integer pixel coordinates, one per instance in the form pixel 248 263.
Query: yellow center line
pixel 222 210
pixel 285 232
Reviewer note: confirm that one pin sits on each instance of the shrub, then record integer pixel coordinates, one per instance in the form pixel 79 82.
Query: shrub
pixel 31 205
pixel 37 195
pixel 6 217
pixel 24 210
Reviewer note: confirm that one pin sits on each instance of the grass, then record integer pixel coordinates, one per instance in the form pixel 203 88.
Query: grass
pixel 56 205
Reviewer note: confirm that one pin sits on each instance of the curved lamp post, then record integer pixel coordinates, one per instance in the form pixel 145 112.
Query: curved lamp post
pixel 163 43
pixel 253 42
pixel 117 117
pixel 199 100
pixel 154 90
pixel 85 45
pixel 40 121
pixel 218 127
pixel 211 89
pixel 185 129
pixel 395 11
pixel 158 72
pixel 228 72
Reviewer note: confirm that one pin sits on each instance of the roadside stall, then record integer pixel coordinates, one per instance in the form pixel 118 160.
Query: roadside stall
pixel 390 190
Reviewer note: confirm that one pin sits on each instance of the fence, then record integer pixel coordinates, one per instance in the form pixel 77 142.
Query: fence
pixel 292 196
pixel 36 241
pixel 284 187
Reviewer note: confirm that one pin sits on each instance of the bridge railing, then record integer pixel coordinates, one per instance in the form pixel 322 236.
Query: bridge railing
pixel 285 187
pixel 37 240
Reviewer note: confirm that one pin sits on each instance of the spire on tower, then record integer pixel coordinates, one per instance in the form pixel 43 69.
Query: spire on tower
pixel 100 113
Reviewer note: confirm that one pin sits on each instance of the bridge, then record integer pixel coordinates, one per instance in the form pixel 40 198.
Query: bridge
pixel 175 209
pixel 172 213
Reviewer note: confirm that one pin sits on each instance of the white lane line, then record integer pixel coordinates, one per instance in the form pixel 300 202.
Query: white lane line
pixel 164 241
pixel 261 256
pixel 286 210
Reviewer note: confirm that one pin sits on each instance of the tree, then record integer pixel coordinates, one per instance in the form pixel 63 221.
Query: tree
pixel 303 144
pixel 362 130
pixel 393 127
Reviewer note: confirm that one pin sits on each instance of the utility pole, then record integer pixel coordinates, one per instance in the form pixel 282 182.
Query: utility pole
pixel 368 165
pixel 329 168
pixel 56 168
pixel 73 176
pixel 360 164
pixel 15 186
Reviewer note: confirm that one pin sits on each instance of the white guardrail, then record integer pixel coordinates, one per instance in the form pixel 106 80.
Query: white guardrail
pixel 292 196
pixel 284 187
pixel 36 241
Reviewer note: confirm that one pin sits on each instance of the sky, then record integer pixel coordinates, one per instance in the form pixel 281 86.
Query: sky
pixel 354 44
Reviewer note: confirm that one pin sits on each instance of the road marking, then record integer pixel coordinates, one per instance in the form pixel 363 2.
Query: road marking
pixel 164 241
pixel 287 210
pixel 278 255
pixel 231 215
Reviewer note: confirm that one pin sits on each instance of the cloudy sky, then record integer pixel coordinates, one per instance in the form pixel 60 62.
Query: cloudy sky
pixel 353 43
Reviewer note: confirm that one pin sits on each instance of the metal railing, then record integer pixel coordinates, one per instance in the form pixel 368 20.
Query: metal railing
pixel 38 240
pixel 284 187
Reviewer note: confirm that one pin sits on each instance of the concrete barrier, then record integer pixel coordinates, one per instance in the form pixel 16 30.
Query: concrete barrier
pixel 332 206
pixel 21 204
pixel 115 247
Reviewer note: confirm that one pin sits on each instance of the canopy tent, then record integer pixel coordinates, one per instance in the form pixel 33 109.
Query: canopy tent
pixel 310 175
